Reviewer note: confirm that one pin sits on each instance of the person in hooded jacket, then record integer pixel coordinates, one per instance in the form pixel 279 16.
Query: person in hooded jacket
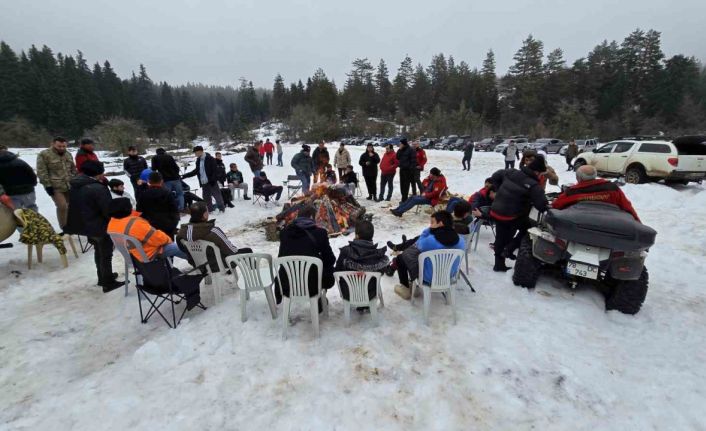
pixel 89 214
pixel 517 192
pixel 341 159
pixel 303 238
pixel 407 159
pixel 511 152
pixel 303 166
pixel 18 180
pixel 362 254
pixel 133 165
pixel 388 168
pixel 85 152
pixel 370 160
pixel 158 207
pixel 166 165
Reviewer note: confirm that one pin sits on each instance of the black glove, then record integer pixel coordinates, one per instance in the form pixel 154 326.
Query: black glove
pixel 50 190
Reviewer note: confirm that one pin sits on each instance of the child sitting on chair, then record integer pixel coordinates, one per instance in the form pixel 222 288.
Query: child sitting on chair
pixel 330 174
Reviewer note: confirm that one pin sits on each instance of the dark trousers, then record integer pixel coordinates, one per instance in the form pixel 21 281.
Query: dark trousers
pixel 135 187
pixel 271 190
pixel 269 158
pixel 466 163
pixel 509 164
pixel 213 191
pixel 386 181
pixel 371 184
pixel 417 181
pixel 569 166
pixel 341 172
pixel 402 272
pixel 508 235
pixel 103 257
pixel 406 177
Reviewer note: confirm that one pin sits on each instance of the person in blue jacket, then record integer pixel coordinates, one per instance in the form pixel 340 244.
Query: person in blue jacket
pixel 439 235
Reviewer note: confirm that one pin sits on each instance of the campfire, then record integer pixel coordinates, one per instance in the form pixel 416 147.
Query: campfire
pixel 336 210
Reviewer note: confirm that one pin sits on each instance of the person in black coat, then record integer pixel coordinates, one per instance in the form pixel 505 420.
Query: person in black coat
pixel 167 166
pixel 370 160
pixel 517 192
pixel 18 180
pixel 407 159
pixel 362 254
pixel 220 169
pixel 303 238
pixel 133 165
pixel 158 207
pixel 89 214
pixel 207 172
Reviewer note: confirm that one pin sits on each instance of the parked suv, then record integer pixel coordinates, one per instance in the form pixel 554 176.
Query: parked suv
pixel 682 160
pixel 548 145
pixel 488 144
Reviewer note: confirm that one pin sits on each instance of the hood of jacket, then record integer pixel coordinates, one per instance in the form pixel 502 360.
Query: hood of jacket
pixel 361 249
pixel 82 180
pixel 447 236
pixel 7 156
pixel 300 225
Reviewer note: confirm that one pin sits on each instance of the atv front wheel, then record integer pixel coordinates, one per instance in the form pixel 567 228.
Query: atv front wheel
pixel 627 296
pixel 527 267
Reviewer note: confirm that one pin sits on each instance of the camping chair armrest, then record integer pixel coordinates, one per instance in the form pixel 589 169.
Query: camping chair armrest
pixel 201 268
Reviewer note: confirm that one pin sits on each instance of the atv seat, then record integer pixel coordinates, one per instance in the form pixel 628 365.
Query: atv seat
pixel 600 224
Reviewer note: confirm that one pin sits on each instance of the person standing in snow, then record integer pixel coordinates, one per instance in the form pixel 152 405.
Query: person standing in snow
pixel 269 149
pixel 206 171
pixel 407 159
pixel 388 167
pixel 320 159
pixel 511 153
pixel 571 152
pixel 341 160
pixel 467 156
pixel 280 153
pixel 303 166
pixel 85 153
pixel 133 165
pixel 421 159
pixel 254 159
pixel 55 169
pixel 166 165
pixel 370 160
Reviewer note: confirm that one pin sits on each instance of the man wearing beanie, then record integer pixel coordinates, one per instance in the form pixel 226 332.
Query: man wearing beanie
pixel 517 192
pixel 89 213
pixel 407 162
pixel 432 188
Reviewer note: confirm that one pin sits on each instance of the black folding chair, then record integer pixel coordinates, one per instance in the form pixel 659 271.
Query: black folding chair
pixel 293 184
pixel 159 282
pixel 85 246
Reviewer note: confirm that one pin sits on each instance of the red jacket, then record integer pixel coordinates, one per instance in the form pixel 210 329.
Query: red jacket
pixel 421 158
pixel 434 188
pixel 598 190
pixel 389 163
pixel 269 147
pixel 82 156
pixel 262 150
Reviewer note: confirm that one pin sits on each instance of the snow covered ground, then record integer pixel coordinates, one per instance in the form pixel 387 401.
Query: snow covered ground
pixel 75 358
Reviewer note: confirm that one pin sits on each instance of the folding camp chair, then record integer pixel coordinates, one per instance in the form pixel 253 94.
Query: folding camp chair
pixel 159 282
pixel 293 184
pixel 84 246
pixel 259 198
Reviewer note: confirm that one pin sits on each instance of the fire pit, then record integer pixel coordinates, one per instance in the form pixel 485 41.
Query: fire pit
pixel 336 210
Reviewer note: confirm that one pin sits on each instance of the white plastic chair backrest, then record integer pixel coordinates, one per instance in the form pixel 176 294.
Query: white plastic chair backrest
pixel 442 262
pixel 198 250
pixel 358 283
pixel 125 243
pixel 250 266
pixel 297 270
pixel 468 239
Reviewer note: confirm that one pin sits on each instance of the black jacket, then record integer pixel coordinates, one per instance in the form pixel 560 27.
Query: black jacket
pixel 370 164
pixel 89 207
pixel 158 207
pixel 517 191
pixel 407 157
pixel 211 169
pixel 361 255
pixel 220 171
pixel 303 238
pixel 167 166
pixel 320 158
pixel 134 165
pixel 16 176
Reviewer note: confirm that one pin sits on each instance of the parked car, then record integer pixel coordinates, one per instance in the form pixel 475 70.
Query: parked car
pixel 682 160
pixel 488 144
pixel 392 141
pixel 444 143
pixel 548 145
pixel 583 144
pixel 425 142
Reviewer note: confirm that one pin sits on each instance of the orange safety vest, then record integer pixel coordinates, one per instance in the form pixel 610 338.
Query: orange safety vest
pixel 152 240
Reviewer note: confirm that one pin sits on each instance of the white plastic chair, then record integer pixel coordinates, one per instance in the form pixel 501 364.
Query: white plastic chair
pixel 123 243
pixel 198 250
pixel 442 281
pixel 358 294
pixel 250 267
pixel 297 270
pixel 467 240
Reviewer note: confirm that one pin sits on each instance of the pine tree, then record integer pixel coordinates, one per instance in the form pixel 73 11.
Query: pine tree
pixel 10 88
pixel 490 89
pixel 401 86
pixel 525 78
pixel 280 102
pixel 147 105
pixel 171 115
pixel 383 89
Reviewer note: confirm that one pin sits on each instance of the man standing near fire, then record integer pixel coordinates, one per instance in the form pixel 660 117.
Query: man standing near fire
pixel 320 159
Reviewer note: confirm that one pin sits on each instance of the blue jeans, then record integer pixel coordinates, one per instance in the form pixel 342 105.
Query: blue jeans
pixel 306 181
pixel 174 186
pixel 279 159
pixel 411 203
pixel 452 204
pixel 26 201
pixel 173 250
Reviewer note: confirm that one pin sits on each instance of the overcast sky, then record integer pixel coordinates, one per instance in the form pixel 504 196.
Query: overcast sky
pixel 219 41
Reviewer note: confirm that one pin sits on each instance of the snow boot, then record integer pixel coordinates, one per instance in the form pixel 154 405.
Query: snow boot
pixel 111 285
pixel 500 265
pixel 246 198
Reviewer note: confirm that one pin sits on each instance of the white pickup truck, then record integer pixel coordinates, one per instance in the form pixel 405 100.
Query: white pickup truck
pixel 682 160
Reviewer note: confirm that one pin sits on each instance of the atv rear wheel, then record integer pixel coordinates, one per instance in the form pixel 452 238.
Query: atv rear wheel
pixel 527 267
pixel 627 296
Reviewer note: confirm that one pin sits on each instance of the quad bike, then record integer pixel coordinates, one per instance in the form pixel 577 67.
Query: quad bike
pixel 589 241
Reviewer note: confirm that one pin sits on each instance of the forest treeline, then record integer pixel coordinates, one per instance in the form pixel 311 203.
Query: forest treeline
pixel 618 88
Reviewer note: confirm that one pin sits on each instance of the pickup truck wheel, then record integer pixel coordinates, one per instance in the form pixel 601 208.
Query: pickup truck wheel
pixel 527 267
pixel 578 163
pixel 635 175
pixel 627 296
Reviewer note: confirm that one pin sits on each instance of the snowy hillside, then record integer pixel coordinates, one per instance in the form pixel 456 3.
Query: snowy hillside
pixel 549 359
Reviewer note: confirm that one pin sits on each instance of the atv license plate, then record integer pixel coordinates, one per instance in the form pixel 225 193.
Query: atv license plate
pixel 582 270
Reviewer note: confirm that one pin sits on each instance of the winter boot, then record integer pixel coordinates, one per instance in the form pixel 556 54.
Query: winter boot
pixel 403 291
pixel 111 285
pixel 246 198
pixel 500 265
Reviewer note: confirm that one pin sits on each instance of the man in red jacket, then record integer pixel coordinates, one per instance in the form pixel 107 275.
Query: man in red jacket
pixel 590 188
pixel 421 161
pixel 433 187
pixel 388 168
pixel 269 148
pixel 85 152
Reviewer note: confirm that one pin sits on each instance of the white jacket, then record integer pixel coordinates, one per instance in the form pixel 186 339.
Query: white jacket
pixel 342 158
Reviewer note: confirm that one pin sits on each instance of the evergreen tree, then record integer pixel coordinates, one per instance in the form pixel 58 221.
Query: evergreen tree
pixel 401 86
pixel 171 115
pixel 10 87
pixel 280 102
pixel 383 90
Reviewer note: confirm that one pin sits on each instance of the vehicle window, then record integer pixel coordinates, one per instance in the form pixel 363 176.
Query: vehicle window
pixel 622 147
pixel 654 148
pixel 691 149
pixel 607 148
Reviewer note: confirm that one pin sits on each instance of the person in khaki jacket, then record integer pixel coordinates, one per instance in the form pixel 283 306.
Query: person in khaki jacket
pixel 341 160
pixel 55 168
